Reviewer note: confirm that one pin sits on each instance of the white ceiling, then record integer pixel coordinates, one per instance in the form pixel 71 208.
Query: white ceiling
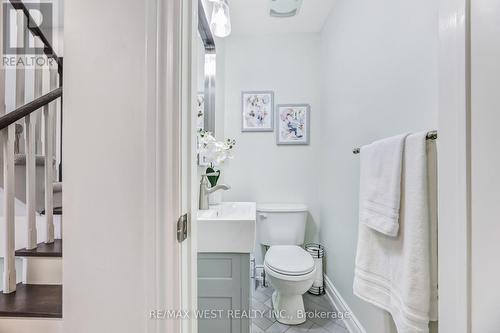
pixel 252 17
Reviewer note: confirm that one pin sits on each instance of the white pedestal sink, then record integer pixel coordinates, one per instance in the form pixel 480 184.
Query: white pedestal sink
pixel 227 227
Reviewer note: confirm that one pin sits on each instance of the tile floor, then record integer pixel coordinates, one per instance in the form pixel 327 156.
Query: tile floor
pixel 261 300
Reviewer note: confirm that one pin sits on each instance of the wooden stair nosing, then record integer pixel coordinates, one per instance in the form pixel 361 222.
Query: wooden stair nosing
pixel 56 211
pixel 32 301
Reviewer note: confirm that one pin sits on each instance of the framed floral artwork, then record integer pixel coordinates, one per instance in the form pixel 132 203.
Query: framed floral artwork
pixel 257 111
pixel 292 124
pixel 200 111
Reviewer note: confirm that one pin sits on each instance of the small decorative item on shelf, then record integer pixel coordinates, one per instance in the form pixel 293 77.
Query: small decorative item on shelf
pixel 212 153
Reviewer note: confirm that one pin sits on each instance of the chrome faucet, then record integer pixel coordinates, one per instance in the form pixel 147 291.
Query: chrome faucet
pixel 205 190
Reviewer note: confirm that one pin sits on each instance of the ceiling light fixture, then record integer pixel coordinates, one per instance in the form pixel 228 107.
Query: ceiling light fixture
pixel 220 23
pixel 285 8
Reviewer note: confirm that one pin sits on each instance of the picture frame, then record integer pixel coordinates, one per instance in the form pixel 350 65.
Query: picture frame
pixel 293 124
pixel 257 111
pixel 200 111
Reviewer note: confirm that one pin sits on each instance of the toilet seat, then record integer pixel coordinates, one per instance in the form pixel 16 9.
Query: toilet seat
pixel 289 260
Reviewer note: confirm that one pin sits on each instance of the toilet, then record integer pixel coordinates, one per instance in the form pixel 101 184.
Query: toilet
pixel 289 268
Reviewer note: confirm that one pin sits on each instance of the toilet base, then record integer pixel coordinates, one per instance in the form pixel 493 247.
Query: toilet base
pixel 288 309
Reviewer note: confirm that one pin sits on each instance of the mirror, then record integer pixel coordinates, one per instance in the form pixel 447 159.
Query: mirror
pixel 200 95
pixel 206 76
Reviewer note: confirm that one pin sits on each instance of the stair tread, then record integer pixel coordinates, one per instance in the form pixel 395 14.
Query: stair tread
pixel 56 211
pixel 32 300
pixel 20 159
pixel 53 250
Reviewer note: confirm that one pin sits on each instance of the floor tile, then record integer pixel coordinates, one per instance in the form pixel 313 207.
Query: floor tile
pixel 257 305
pixel 302 328
pixel 262 301
pixel 269 303
pixel 340 322
pixel 266 291
pixel 277 328
pixel 316 305
pixel 320 300
pixel 320 321
pixel 334 327
pixel 271 316
pixel 263 322
pixel 256 329
pixel 317 329
pixel 260 296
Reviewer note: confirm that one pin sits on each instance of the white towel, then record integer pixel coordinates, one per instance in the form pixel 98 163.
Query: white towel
pixel 397 274
pixel 380 189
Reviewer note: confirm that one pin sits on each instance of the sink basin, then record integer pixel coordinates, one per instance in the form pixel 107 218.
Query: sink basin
pixel 227 227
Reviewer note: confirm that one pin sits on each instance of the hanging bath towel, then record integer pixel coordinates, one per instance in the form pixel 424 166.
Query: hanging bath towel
pixel 380 191
pixel 399 274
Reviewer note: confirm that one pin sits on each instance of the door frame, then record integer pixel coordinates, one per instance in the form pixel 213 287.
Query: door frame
pixel 189 251
pixel 454 144
pixel 167 263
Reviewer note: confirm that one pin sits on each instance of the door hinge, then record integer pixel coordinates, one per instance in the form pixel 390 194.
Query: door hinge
pixel 182 228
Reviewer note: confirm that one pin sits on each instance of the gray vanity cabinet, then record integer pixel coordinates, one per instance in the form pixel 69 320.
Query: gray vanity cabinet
pixel 223 284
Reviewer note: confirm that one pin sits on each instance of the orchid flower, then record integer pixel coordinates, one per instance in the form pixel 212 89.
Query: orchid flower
pixel 214 152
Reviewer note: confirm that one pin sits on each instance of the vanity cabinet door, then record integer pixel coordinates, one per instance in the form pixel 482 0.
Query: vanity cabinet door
pixel 223 286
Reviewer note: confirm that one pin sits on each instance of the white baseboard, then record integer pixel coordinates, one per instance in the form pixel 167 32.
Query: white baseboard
pixel 352 323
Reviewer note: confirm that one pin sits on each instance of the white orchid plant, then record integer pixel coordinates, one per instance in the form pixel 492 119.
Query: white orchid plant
pixel 214 153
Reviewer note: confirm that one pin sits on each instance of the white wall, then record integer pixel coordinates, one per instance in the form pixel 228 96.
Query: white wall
pixel 26 325
pixel 104 145
pixel 485 179
pixel 262 171
pixel 379 78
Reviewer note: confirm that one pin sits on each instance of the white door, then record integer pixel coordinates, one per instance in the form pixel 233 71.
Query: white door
pixel 126 166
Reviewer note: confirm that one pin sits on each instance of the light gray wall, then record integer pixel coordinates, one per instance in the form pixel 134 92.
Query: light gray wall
pixel 262 171
pixel 378 78
pixel 104 170
pixel 485 179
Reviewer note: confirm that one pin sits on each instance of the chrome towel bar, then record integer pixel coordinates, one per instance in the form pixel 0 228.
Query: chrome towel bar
pixel 432 135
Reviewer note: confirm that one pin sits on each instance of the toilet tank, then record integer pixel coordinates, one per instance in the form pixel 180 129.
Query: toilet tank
pixel 281 224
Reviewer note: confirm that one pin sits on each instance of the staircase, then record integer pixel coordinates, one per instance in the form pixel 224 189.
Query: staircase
pixel 31 190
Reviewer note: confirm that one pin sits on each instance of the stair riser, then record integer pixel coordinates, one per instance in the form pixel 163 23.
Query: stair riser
pixel 20 189
pixel 19 272
pixel 42 271
pixel 20 184
pixel 21 325
pixel 57 199
pixel 21 234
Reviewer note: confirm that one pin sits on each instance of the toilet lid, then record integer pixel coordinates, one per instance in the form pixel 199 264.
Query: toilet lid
pixel 289 260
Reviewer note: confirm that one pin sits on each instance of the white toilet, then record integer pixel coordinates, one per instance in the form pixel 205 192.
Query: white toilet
pixel 289 268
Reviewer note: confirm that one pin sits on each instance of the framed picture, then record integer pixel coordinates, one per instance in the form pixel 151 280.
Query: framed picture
pixel 292 124
pixel 200 111
pixel 257 111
